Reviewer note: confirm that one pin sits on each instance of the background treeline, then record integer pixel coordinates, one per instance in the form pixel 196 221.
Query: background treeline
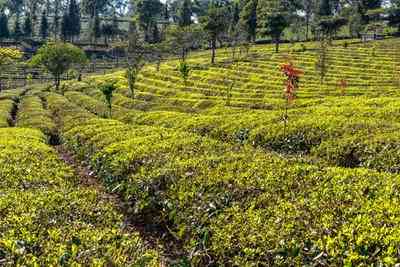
pixel 219 21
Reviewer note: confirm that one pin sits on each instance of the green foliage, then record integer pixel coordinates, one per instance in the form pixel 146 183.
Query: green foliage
pixel 57 58
pixel 48 218
pixel 4 30
pixel 108 90
pixel 44 25
pixel 322 62
pixel 275 25
pixel 225 179
pixel 132 74
pixel 184 71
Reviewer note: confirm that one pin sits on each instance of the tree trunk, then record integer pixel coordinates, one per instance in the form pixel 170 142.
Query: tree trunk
pixel 277 45
pixel 57 82
pixel 213 48
pixel 307 26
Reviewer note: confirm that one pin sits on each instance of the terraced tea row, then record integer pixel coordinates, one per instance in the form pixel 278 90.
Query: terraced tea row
pixel 350 132
pixel 47 218
pixel 235 204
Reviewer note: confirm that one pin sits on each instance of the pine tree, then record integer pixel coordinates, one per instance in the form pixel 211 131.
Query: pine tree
pixel 66 27
pixel 325 8
pixel 96 30
pixel 185 13
pixel 74 18
pixel 236 14
pixel 27 26
pixel 44 25
pixel 4 31
pixel 17 29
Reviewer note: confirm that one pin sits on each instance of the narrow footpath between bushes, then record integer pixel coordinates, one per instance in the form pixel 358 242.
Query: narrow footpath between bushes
pixel 156 237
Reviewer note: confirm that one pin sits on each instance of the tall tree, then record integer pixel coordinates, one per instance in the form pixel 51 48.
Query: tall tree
pixel 66 27
pixel 4 31
pixel 308 7
pixel 44 25
pixel 93 8
pixel 275 24
pixel 394 14
pixel 148 12
pixel 185 13
pixel 74 18
pixel 27 32
pixel 248 19
pixel 17 34
pixel 214 25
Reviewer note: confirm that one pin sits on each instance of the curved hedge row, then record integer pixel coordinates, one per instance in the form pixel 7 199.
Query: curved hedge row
pixel 32 114
pixel 241 206
pixel 6 106
pixel 48 219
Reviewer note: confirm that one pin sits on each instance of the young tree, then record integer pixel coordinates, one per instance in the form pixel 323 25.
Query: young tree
pixel 132 74
pixel 184 71
pixel 321 65
pixel 292 85
pixel 275 25
pixel 44 25
pixel 108 91
pixel 57 58
pixel 214 24
pixel 4 31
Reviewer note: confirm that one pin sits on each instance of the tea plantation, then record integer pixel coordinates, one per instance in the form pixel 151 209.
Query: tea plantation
pixel 209 172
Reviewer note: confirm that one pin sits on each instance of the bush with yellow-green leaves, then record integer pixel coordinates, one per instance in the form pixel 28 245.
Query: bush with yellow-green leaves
pixel 49 219
pixel 32 114
pixel 6 107
pixel 236 205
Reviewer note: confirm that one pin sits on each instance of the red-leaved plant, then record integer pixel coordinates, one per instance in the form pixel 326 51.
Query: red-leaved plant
pixel 291 85
pixel 342 84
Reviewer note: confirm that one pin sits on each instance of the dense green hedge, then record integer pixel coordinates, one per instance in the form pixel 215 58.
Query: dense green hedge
pixel 238 205
pixel 48 219
pixel 6 107
pixel 32 114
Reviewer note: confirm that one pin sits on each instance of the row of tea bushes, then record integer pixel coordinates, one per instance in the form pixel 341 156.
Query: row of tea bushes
pixel 49 219
pixel 12 94
pixel 6 107
pixel 339 122
pixel 238 205
pixel 32 114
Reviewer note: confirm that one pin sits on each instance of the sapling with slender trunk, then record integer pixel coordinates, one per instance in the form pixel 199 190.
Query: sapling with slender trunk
pixel 342 84
pixel 184 70
pixel 321 65
pixel 291 86
pixel 132 74
pixel 108 91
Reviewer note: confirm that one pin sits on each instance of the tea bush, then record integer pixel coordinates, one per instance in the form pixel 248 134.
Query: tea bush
pixel 49 219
